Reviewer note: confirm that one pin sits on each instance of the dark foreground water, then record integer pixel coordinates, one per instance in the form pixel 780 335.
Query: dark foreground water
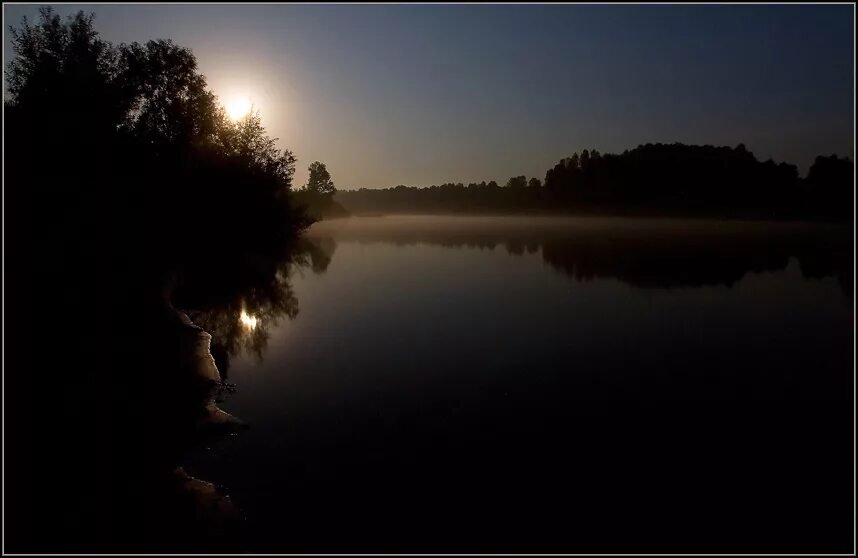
pixel 548 385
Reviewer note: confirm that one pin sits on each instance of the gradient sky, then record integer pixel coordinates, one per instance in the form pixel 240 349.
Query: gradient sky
pixel 419 95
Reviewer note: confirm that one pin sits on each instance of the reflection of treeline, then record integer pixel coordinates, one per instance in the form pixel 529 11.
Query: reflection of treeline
pixel 658 254
pixel 650 179
pixel 693 262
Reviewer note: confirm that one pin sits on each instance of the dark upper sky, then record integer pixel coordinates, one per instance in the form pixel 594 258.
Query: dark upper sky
pixel 407 94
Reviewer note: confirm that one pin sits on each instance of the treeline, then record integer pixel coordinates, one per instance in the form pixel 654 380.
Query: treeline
pixel 650 179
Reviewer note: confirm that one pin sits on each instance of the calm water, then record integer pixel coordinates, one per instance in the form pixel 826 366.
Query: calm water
pixel 550 385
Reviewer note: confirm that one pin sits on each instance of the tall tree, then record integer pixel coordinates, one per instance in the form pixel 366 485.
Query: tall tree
pixel 320 181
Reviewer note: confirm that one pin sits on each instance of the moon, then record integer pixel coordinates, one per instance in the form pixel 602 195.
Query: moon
pixel 238 107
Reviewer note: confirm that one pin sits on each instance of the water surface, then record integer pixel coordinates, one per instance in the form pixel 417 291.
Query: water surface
pixel 458 384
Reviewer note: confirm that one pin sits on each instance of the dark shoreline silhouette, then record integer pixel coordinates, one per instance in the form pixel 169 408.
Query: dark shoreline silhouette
pixel 128 385
pixel 126 186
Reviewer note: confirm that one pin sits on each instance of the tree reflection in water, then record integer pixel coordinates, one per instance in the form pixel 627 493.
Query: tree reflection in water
pixel 644 253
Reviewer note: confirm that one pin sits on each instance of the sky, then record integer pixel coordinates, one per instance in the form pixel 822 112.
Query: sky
pixel 427 94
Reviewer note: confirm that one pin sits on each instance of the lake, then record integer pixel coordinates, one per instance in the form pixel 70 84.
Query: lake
pixel 511 384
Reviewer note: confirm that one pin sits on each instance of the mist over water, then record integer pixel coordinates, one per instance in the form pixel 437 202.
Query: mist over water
pixel 499 383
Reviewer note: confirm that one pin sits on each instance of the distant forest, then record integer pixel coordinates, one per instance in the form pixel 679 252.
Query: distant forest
pixel 650 179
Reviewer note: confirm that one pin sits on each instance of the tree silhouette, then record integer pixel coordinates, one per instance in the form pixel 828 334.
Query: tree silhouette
pixel 319 181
